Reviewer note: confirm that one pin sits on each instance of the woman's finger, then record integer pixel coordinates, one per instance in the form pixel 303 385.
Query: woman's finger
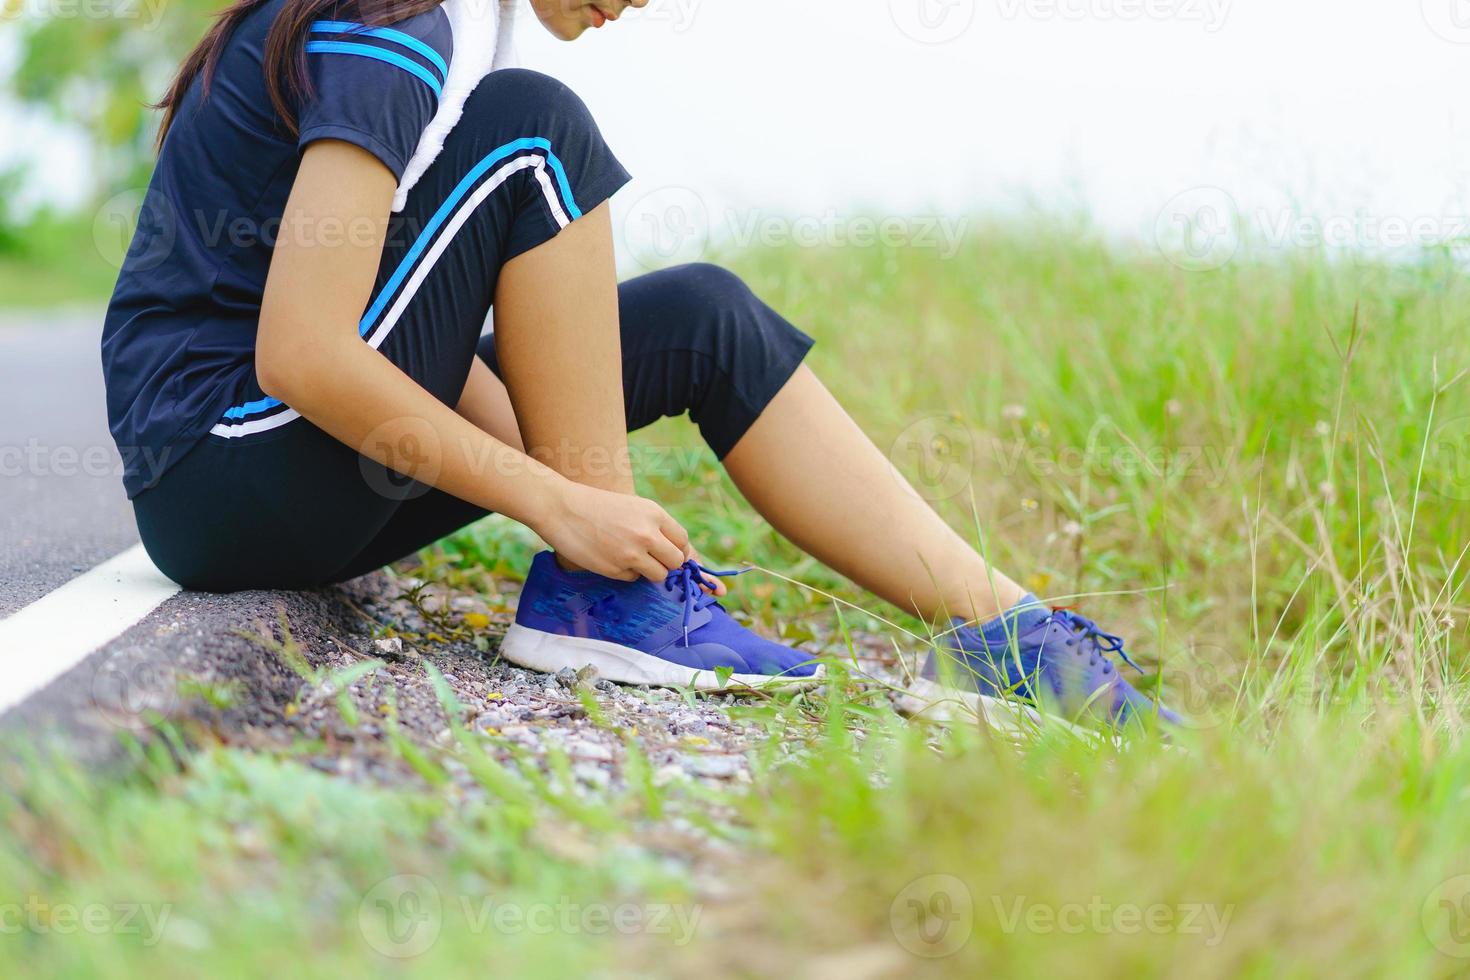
pixel 651 569
pixel 675 532
pixel 666 554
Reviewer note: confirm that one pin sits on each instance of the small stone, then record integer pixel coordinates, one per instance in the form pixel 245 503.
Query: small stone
pixel 391 646
pixel 566 677
pixel 669 774
pixel 591 772
pixel 591 750
pixel 714 766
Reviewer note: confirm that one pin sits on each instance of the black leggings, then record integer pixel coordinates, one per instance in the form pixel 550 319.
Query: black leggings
pixel 268 500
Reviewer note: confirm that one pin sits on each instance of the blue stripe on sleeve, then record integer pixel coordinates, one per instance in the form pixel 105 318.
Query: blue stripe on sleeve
pixel 383 33
pixel 377 54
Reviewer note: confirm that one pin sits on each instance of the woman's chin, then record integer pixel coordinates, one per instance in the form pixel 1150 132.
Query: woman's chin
pixel 568 31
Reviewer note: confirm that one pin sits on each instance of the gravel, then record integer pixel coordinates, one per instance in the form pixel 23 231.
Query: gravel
pixel 220 668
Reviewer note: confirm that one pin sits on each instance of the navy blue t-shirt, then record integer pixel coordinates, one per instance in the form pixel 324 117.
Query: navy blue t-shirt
pixel 179 341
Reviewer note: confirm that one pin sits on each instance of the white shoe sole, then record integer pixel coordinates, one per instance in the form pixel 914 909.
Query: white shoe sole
pixel 935 702
pixel 549 653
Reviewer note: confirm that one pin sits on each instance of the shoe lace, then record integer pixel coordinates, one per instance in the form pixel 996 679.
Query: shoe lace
pixel 1083 628
pixel 690 580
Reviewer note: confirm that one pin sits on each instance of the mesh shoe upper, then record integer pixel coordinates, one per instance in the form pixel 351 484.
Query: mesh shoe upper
pixel 676 621
pixel 1059 661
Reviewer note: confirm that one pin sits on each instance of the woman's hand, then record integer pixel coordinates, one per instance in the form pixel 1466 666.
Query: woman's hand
pixel 614 534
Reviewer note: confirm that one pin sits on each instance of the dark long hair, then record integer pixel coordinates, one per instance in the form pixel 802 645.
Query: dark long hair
pixel 285 48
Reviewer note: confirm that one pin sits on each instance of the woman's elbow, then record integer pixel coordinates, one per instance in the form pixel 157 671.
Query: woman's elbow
pixel 275 376
pixel 285 370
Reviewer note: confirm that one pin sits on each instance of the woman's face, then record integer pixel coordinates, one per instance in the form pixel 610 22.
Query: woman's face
pixel 567 19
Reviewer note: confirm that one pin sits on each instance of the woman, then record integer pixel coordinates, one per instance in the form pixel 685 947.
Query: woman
pixel 280 347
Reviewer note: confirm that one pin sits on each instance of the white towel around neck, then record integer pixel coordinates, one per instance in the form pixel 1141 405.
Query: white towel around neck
pixel 484 41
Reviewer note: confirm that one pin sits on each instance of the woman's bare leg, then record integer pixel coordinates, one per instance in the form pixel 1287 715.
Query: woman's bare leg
pixel 805 465
pixel 811 472
pixel 560 351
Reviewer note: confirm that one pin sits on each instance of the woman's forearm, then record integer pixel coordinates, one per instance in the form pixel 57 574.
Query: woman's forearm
pixel 359 397
pixel 309 355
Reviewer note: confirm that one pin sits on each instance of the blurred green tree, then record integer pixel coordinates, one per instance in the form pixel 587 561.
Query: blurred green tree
pixel 96 65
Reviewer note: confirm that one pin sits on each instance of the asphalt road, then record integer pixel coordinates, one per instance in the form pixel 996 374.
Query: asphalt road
pixel 62 506
pixel 63 511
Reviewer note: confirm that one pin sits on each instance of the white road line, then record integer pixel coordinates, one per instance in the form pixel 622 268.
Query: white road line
pixel 56 632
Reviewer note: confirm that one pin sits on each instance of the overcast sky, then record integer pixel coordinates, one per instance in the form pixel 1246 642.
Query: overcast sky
pixel 729 111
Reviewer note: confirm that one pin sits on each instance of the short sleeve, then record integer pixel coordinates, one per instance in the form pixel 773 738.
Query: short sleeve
pixel 376 87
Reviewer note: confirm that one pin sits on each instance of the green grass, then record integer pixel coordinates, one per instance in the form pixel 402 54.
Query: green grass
pixel 54 261
pixel 1291 561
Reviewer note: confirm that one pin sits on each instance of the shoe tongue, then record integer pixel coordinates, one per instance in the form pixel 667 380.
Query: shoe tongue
pixel 671 630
